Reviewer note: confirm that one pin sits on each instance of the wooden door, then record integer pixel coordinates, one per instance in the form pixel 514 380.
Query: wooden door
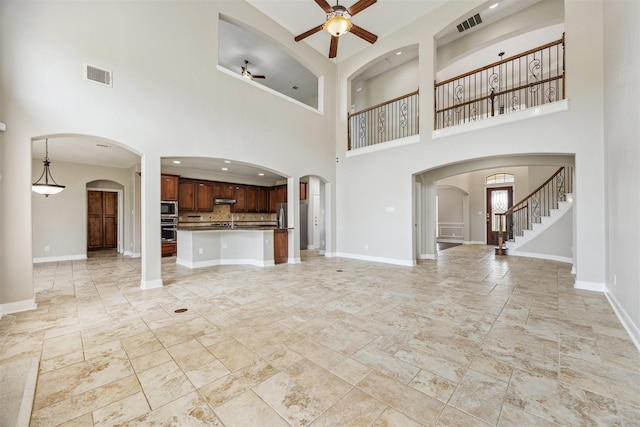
pixel 499 199
pixel 102 221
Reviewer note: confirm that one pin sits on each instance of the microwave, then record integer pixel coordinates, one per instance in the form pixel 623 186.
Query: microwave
pixel 168 208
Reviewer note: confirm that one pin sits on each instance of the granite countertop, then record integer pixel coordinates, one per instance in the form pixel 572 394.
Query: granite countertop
pixel 225 227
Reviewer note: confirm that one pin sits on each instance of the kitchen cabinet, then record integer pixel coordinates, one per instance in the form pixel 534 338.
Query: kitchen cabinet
pixel 186 195
pixel 169 249
pixel 204 196
pixel 277 195
pixel 195 196
pixel 280 246
pixel 240 194
pixel 252 198
pixel 263 199
pixel 169 187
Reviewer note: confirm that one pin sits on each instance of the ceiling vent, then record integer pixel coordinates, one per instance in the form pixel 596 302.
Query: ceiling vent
pixel 97 75
pixel 469 23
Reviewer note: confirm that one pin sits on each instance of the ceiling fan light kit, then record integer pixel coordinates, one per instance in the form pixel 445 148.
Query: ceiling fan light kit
pixel 339 22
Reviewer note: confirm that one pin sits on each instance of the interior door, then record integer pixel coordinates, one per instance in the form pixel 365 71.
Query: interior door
pixel 499 200
pixel 102 220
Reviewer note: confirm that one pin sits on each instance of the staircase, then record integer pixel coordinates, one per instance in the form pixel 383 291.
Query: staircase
pixel 527 221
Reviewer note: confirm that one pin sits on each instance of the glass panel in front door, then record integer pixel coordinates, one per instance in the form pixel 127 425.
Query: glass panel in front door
pixel 499 204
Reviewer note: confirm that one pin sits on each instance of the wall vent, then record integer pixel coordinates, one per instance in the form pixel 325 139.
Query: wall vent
pixel 469 23
pixel 97 75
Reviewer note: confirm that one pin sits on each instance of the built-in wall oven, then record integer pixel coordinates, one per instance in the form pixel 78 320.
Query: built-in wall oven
pixel 169 221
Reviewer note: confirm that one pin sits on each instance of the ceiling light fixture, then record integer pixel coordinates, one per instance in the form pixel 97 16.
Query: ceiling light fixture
pixel 261 174
pixel 177 162
pixel 227 161
pixel 493 6
pixel 225 169
pixel 338 21
pixel 46 187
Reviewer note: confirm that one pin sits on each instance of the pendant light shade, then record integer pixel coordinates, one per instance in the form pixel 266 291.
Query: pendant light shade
pixel 46 184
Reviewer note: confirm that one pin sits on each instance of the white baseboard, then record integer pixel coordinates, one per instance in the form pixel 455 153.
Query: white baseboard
pixel 150 284
pixel 40 260
pixel 132 254
pixel 383 260
pixel 558 258
pixel 442 240
pixel 18 306
pixel 428 256
pixel 589 286
pixel 474 242
pixel 625 319
pixel 215 262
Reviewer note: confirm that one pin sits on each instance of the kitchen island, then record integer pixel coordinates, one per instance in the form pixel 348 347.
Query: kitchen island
pixel 210 246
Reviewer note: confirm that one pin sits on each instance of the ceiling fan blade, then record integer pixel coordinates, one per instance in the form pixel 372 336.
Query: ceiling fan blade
pixel 258 77
pixel 308 33
pixel 360 6
pixel 333 47
pixel 325 6
pixel 363 34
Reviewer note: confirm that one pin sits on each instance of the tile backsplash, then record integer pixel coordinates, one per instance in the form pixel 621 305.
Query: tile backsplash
pixel 222 213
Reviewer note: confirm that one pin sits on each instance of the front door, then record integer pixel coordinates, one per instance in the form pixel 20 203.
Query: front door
pixel 102 220
pixel 499 200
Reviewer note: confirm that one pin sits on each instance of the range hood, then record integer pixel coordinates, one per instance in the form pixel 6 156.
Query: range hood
pixel 224 201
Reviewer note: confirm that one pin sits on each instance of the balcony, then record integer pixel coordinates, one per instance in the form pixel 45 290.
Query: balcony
pixel 529 79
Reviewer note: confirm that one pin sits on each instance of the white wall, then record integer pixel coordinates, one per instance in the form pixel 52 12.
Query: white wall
pixel 60 221
pixel 168 99
pixel 364 192
pixel 622 157
pixel 396 82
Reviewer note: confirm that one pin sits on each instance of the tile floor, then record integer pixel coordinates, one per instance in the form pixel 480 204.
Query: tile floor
pixel 468 340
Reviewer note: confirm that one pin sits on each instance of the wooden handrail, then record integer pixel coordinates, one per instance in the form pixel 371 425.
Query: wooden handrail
pixel 512 209
pixel 473 101
pixel 349 115
pixel 502 61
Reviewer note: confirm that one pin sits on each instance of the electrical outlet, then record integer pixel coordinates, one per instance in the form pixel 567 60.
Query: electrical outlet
pixel 224 246
pixel 200 251
pixel 46 248
pixel 366 247
pixel 615 280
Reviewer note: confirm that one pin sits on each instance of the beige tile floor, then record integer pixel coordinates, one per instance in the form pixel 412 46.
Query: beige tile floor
pixel 468 340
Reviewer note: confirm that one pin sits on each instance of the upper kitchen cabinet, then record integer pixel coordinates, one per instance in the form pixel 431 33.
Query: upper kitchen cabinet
pixel 240 195
pixel 195 196
pixel 204 196
pixel 186 195
pixel 252 198
pixel 169 187
pixel 263 199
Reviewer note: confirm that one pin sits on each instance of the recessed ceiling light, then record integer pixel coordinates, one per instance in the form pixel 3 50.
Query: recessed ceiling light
pixel 227 161
pixel 225 169
pixel 493 6
pixel 261 174
pixel 177 162
pixel 399 52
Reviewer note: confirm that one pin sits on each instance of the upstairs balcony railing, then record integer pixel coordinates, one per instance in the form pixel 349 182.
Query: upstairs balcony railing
pixel 526 80
pixel 390 120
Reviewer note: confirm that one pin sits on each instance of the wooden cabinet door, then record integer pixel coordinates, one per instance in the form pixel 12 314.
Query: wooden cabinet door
pixel 263 199
pixel 240 194
pixel 218 190
pixel 252 198
pixel 228 190
pixel 303 191
pixel 102 221
pixel 280 246
pixel 204 196
pixel 186 196
pixel 169 188
pixel 273 199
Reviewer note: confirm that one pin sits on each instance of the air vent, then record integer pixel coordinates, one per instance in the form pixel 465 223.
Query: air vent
pixel 97 75
pixel 469 23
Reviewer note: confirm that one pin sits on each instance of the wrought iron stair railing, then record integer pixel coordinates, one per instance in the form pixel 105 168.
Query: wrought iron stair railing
pixel 530 210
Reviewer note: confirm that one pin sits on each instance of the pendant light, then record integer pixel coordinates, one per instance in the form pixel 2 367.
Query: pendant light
pixel 49 186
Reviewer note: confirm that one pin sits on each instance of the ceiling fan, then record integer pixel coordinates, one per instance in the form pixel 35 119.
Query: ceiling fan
pixel 339 22
pixel 246 73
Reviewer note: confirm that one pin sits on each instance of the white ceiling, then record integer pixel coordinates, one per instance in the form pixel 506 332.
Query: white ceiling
pixel 282 72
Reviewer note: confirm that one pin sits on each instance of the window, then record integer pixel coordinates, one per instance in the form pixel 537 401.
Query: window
pixel 500 178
